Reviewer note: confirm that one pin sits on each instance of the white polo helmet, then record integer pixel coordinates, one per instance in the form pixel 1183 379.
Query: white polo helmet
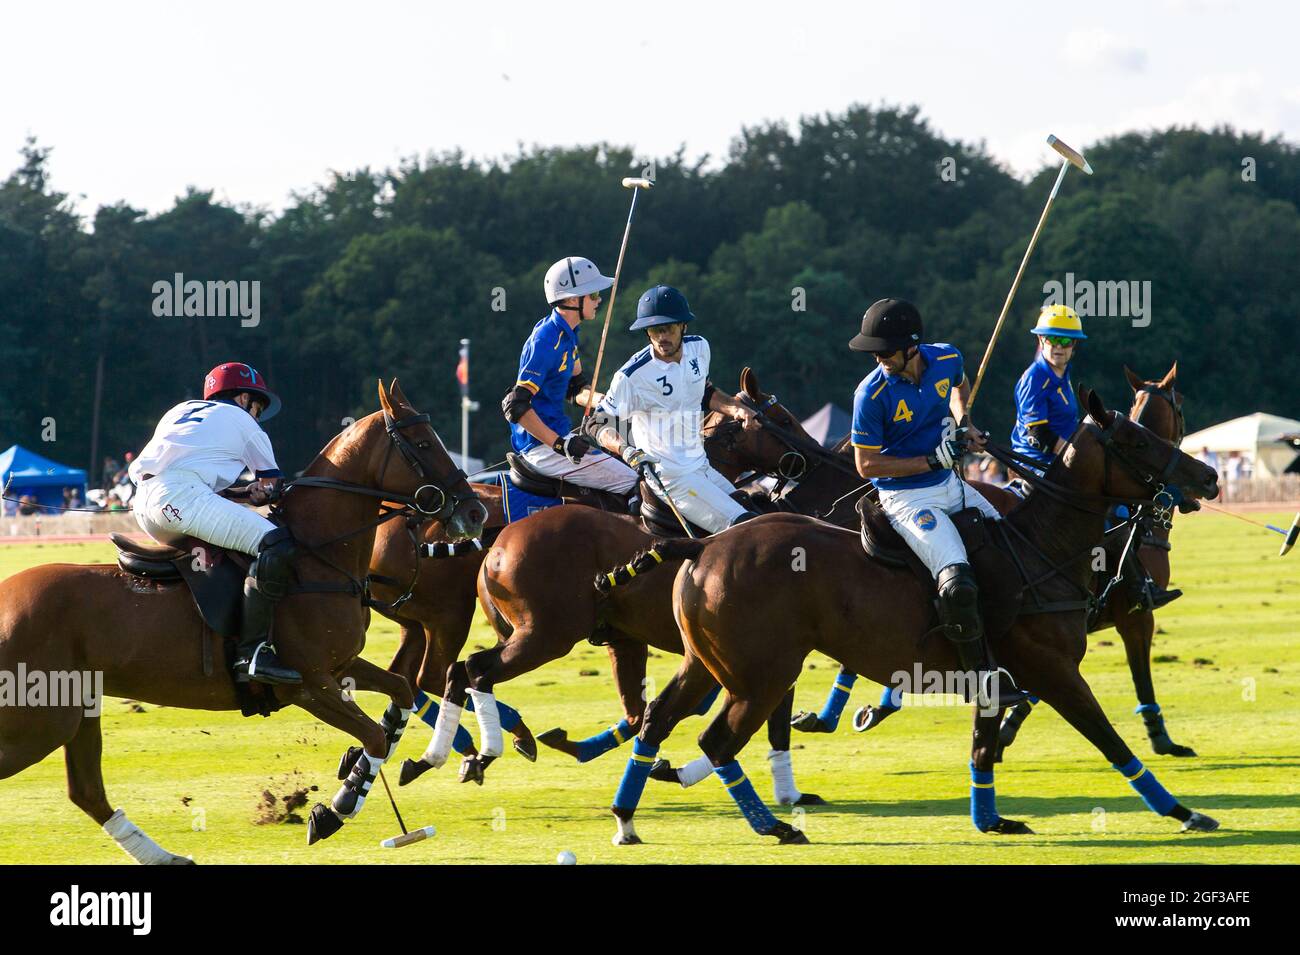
pixel 571 276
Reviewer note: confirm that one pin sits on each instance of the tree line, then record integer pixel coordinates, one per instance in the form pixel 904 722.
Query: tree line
pixel 779 246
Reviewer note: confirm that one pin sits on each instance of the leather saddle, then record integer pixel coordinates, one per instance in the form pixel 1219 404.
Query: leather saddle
pixel 1000 584
pixel 215 577
pixel 658 518
pixel 526 478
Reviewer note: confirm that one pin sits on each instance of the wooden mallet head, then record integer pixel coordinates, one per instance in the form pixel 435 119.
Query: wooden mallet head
pixel 1071 155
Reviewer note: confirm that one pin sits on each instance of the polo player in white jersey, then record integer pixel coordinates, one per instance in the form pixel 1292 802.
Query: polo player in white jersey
pixel 651 415
pixel 197 451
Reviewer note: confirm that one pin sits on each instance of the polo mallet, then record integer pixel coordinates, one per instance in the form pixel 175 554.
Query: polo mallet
pixel 636 184
pixel 663 493
pixel 406 838
pixel 1072 157
pixel 1291 535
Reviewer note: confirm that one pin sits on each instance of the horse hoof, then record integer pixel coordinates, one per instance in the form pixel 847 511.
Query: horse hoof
pixel 471 769
pixel 1168 747
pixel 997 754
pixel 662 771
pixel 809 799
pixel 558 739
pixel 806 722
pixel 349 760
pixel 1010 827
pixel 869 717
pixel 322 823
pixel 180 860
pixel 412 769
pixel 526 747
pixel 787 835
pixel 1198 822
pixel 619 839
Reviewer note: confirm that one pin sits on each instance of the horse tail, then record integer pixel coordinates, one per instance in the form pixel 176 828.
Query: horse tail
pixel 442 549
pixel 674 549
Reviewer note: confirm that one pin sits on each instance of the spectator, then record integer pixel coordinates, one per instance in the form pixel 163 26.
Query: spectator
pixel 109 473
pixel 1206 456
pixel 27 504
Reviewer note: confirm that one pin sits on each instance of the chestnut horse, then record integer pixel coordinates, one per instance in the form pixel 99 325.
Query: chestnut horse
pixel 435 619
pixel 535 588
pixel 1158 407
pixel 147 640
pixel 748 623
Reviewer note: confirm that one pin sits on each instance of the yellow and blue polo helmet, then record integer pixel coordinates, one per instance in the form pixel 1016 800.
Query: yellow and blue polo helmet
pixel 1058 320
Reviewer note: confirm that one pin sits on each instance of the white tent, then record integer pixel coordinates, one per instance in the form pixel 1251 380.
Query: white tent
pixel 1255 436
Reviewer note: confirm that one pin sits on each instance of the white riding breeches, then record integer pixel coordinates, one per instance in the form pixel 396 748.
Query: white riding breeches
pixel 178 504
pixel 920 515
pixel 704 498
pixel 596 469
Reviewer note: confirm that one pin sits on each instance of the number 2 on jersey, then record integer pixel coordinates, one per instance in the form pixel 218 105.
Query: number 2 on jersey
pixel 193 413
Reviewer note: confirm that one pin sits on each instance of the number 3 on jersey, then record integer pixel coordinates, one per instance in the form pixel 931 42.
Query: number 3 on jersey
pixel 902 412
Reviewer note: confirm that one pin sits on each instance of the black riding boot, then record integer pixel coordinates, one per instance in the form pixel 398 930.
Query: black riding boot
pixel 959 613
pixel 1142 592
pixel 267 582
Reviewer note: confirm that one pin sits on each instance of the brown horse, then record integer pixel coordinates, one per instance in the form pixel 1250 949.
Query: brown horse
pixel 436 617
pixel 748 623
pixel 148 642
pixel 535 588
pixel 1158 407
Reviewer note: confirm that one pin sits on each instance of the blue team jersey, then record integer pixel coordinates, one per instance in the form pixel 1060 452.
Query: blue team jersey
pixel 895 417
pixel 545 368
pixel 1043 397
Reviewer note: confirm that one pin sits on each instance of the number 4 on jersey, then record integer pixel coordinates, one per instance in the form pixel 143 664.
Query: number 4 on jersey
pixel 902 412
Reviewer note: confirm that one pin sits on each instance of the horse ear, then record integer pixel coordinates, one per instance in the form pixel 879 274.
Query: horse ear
pixel 384 401
pixel 1095 407
pixel 397 395
pixel 749 383
pixel 1134 381
pixel 1170 376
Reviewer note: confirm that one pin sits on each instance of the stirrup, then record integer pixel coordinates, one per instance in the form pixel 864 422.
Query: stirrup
pixel 1004 698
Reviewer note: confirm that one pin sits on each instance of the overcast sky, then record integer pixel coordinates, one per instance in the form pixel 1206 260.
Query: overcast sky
pixel 254 100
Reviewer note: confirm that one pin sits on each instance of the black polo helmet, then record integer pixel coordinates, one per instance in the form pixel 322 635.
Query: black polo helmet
pixel 889 325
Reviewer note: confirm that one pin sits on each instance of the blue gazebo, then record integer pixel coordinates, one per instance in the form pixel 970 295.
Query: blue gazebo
pixel 26 472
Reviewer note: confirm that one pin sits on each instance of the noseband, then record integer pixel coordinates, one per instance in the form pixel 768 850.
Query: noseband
pixel 432 499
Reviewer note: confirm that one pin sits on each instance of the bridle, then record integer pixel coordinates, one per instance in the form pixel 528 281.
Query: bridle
pixel 434 500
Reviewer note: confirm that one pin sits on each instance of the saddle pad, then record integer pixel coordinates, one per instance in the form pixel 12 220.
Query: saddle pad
pixel 516 502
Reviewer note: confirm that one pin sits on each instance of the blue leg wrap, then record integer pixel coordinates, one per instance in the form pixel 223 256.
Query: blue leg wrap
pixel 707 702
pixel 1033 700
pixel 635 774
pixel 1145 708
pixel 602 743
pixel 837 700
pixel 754 810
pixel 890 699
pixel 1157 798
pixel 426 708
pixel 983 800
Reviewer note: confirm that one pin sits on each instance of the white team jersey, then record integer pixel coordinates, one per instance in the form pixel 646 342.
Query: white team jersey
pixel 661 400
pixel 214 439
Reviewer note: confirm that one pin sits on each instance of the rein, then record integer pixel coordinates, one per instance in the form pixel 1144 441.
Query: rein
pixel 416 508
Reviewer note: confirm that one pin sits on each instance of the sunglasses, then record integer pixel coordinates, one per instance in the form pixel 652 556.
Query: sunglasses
pixel 1059 341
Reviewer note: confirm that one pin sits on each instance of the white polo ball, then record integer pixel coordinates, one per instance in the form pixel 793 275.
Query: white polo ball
pixel 566 858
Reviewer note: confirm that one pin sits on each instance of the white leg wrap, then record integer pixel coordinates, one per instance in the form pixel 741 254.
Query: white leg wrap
pixel 134 842
pixel 489 724
pixel 626 832
pixel 784 789
pixel 444 731
pixel 697 769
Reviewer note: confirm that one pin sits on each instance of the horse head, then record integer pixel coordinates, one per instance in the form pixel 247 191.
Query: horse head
pixel 779 446
pixel 403 455
pixel 1158 405
pixel 1111 455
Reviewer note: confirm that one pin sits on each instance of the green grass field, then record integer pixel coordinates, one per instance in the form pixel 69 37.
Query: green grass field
pixel 1228 680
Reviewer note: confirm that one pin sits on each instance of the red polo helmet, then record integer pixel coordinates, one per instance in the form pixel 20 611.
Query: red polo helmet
pixel 233 377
